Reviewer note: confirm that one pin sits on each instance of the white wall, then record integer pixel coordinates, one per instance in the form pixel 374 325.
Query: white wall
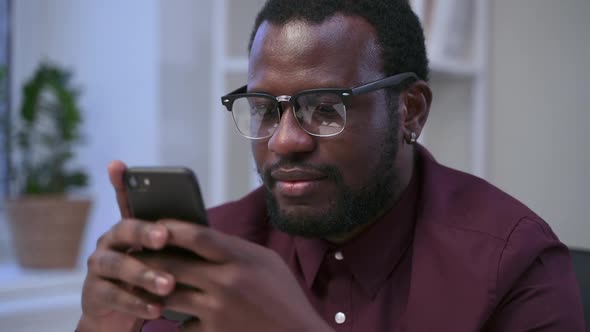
pixel 540 118
pixel 185 89
pixel 144 67
pixel 113 49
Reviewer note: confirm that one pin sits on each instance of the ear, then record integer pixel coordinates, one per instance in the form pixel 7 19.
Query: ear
pixel 414 106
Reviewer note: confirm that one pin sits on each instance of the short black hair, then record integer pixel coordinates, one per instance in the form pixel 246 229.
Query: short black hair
pixel 399 32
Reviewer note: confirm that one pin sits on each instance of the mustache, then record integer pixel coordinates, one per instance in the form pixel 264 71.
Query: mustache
pixel 328 171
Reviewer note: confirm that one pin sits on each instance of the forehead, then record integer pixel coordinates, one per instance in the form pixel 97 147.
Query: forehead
pixel 342 51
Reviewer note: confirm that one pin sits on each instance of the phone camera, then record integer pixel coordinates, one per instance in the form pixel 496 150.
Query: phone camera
pixel 133 182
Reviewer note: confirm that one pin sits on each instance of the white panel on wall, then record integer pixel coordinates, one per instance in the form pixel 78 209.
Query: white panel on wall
pixel 185 88
pixel 448 130
pixel 540 114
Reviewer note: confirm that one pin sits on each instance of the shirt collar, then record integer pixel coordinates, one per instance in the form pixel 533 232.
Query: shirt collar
pixel 374 254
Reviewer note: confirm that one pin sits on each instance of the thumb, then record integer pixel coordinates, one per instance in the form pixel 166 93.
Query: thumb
pixel 116 171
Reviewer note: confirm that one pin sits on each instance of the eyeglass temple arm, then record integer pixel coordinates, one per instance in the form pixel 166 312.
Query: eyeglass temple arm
pixel 227 102
pixel 242 89
pixel 384 83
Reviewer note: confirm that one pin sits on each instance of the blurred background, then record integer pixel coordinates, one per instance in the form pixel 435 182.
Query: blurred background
pixel 510 82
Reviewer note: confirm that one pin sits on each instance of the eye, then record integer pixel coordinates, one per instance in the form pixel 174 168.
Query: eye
pixel 261 109
pixel 325 108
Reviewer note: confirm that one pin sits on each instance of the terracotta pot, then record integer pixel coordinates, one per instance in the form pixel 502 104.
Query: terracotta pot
pixel 47 230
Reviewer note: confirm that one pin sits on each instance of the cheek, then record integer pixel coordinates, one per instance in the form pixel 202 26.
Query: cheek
pixel 259 152
pixel 369 117
pixel 362 146
pixel 357 157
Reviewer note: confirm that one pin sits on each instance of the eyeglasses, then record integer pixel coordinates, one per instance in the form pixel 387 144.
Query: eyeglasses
pixel 319 112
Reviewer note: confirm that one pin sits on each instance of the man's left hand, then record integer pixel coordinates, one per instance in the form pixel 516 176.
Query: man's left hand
pixel 232 284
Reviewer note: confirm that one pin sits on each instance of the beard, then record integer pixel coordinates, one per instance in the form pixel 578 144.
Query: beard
pixel 350 208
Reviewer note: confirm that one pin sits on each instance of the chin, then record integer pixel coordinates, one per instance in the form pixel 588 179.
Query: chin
pixel 302 212
pixel 310 217
pixel 307 221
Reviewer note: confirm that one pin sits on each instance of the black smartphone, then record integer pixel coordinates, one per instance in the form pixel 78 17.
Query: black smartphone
pixel 156 193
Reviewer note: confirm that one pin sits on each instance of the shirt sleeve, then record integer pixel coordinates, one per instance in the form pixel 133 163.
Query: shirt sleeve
pixel 159 325
pixel 536 286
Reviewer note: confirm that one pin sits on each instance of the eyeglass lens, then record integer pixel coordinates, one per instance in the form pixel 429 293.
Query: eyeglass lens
pixel 319 114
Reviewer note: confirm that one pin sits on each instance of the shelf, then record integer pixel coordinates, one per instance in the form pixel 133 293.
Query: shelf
pixel 23 290
pixel 39 300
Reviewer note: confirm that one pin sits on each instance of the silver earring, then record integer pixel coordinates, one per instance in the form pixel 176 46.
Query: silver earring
pixel 413 138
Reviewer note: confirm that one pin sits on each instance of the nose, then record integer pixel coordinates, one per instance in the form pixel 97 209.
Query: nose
pixel 289 138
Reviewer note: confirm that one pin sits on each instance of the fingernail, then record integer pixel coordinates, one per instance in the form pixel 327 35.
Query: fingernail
pixel 156 234
pixel 149 275
pixel 162 284
pixel 152 309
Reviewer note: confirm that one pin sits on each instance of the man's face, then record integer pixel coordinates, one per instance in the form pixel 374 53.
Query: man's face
pixel 325 186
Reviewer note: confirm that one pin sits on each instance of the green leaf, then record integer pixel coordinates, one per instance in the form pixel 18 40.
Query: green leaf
pixel 76 179
pixel 48 96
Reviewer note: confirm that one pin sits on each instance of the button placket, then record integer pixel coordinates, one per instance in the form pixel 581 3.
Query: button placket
pixel 340 310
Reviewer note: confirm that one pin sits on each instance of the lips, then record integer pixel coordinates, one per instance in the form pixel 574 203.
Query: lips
pixel 295 175
pixel 296 182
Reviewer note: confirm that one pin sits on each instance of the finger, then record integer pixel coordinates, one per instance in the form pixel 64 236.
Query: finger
pixel 189 271
pixel 117 266
pixel 108 294
pixel 210 244
pixel 134 233
pixel 191 302
pixel 116 171
pixel 193 325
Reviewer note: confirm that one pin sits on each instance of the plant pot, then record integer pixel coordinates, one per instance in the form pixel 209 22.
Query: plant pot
pixel 47 230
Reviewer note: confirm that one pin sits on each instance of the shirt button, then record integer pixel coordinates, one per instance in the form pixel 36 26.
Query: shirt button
pixel 338 255
pixel 340 318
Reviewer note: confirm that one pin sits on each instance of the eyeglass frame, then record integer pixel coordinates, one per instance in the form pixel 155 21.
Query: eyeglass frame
pixel 345 95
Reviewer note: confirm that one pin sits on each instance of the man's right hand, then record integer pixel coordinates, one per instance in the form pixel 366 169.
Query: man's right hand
pixel 119 291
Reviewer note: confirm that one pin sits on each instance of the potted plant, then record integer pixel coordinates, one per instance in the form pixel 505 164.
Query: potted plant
pixel 47 223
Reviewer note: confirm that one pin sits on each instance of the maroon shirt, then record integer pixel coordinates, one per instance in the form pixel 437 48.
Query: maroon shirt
pixel 454 254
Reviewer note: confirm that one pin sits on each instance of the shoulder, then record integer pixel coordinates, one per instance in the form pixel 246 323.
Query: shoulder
pixel 535 282
pixel 493 240
pixel 451 198
pixel 460 205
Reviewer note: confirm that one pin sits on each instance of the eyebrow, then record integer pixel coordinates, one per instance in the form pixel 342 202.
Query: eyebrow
pixel 258 91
